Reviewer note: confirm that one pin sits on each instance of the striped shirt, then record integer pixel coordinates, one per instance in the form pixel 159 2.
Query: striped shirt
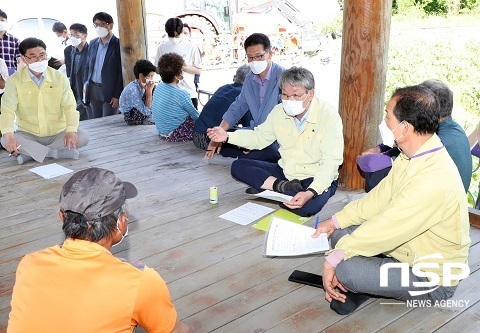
pixel 9 50
pixel 170 107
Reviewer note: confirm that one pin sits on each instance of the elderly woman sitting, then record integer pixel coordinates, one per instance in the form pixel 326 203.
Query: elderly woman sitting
pixel 173 111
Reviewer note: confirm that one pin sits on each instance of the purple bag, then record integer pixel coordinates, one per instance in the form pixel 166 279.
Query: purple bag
pixel 374 162
pixel 475 151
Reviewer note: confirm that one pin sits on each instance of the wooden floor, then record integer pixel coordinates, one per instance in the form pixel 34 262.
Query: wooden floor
pixel 218 279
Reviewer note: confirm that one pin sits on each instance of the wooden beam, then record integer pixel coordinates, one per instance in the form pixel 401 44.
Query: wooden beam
pixel 474 217
pixel 366 30
pixel 133 35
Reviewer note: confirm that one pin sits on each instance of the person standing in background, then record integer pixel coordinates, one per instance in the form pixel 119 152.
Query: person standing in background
pixel 103 82
pixel 9 46
pixel 178 43
pixel 60 31
pixel 78 60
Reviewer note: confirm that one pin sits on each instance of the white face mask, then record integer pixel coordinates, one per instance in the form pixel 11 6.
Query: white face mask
pixel 123 236
pixel 388 138
pixel 39 66
pixel 258 66
pixel 75 41
pixel 175 40
pixel 61 38
pixel 3 26
pixel 401 136
pixel 292 108
pixel 101 32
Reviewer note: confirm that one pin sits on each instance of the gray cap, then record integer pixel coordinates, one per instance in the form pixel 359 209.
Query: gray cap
pixel 241 73
pixel 95 193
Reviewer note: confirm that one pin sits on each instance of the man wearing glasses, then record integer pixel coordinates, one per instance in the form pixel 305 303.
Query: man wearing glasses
pixel 103 83
pixel 309 133
pixel 259 95
pixel 78 60
pixel 39 98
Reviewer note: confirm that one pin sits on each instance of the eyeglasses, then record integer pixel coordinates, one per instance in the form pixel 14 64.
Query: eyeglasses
pixel 100 24
pixel 78 35
pixel 295 97
pixel 256 58
pixel 40 57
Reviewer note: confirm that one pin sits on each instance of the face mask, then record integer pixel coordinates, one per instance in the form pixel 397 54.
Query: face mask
pixel 143 83
pixel 292 108
pixel 3 26
pixel 123 236
pixel 258 66
pixel 101 32
pixel 75 41
pixel 401 136
pixel 175 40
pixel 39 66
pixel 388 138
pixel 61 38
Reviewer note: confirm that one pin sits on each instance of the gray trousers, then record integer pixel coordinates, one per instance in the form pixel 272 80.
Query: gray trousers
pixel 362 275
pixel 37 147
pixel 98 107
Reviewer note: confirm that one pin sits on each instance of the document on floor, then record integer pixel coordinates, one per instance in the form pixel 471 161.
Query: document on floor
pixel 275 196
pixel 51 170
pixel 246 213
pixel 286 238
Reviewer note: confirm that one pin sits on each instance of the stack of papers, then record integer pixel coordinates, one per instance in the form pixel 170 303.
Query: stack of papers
pixel 51 170
pixel 285 238
pixel 246 213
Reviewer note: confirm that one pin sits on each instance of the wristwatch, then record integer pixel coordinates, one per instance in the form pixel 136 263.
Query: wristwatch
pixel 313 191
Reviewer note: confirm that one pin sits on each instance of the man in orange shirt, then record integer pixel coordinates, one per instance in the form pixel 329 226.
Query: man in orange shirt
pixel 80 286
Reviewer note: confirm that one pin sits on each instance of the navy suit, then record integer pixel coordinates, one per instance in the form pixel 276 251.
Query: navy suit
pixel 78 61
pixel 112 81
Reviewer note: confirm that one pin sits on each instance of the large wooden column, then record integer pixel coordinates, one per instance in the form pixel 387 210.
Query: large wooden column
pixel 366 31
pixel 133 35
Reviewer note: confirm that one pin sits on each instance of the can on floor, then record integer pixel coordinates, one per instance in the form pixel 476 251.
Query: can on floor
pixel 213 195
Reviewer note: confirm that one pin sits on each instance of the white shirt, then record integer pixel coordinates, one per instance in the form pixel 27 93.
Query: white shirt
pixel 3 72
pixel 190 53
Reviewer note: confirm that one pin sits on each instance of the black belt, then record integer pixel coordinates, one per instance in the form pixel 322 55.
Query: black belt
pixel 96 84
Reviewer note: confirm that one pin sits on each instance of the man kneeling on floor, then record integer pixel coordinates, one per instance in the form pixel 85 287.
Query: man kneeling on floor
pixel 42 103
pixel 80 286
pixel 309 133
pixel 417 215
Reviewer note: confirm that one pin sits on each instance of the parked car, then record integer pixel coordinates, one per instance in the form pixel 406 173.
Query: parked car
pixel 40 28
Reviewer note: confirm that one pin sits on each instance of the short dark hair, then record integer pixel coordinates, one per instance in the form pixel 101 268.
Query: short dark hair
pixel 256 39
pixel 172 26
pixel 169 66
pixel 444 95
pixel 3 14
pixel 102 16
pixel 143 66
pixel 59 27
pixel 79 27
pixel 418 106
pixel 30 43
pixel 76 226
pixel 185 25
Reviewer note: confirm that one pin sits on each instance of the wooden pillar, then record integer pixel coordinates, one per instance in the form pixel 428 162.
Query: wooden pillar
pixel 366 31
pixel 133 35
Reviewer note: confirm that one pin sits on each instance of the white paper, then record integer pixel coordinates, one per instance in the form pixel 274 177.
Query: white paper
pixel 286 238
pixel 275 196
pixel 247 213
pixel 51 170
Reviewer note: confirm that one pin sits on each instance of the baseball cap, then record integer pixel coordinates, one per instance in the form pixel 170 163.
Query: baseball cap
pixel 95 193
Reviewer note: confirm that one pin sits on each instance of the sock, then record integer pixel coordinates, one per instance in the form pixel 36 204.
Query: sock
pixel 352 302
pixel 22 158
pixel 252 190
pixel 63 153
pixel 282 186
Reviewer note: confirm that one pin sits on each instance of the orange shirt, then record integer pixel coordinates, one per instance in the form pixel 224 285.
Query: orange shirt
pixel 81 287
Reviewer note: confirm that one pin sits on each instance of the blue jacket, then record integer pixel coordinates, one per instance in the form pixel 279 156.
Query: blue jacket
pixel 78 65
pixel 112 81
pixel 249 99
